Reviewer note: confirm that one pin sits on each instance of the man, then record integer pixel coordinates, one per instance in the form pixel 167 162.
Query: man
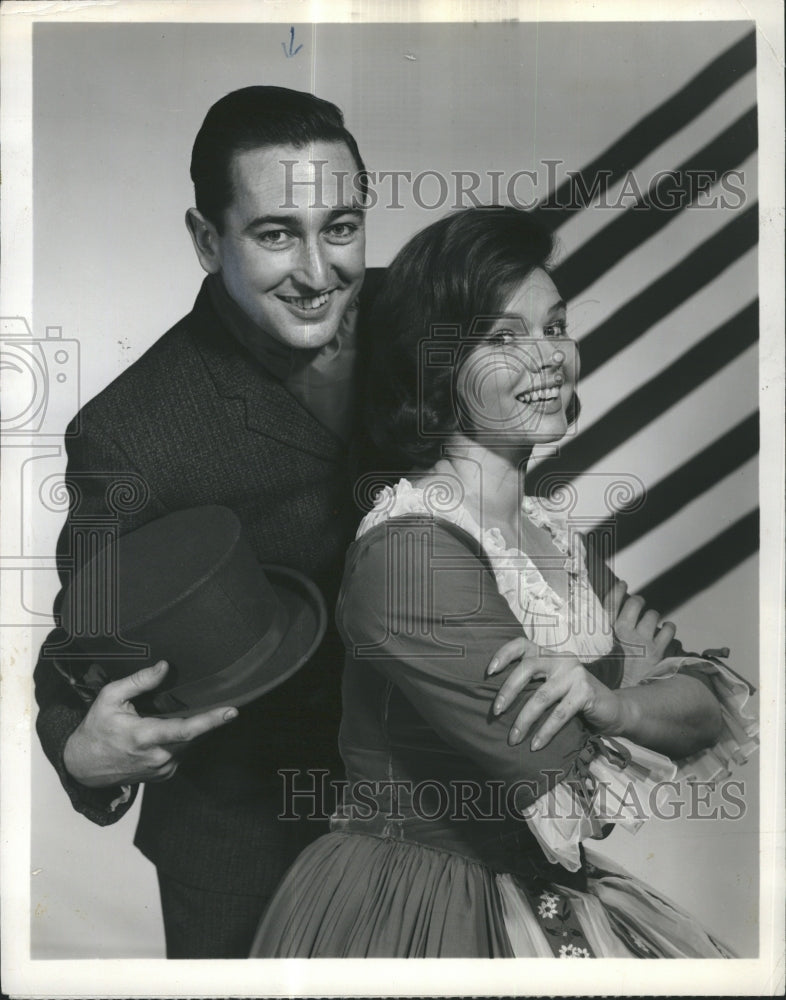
pixel 246 402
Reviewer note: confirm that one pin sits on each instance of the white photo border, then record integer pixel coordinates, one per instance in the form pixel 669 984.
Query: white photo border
pixel 107 978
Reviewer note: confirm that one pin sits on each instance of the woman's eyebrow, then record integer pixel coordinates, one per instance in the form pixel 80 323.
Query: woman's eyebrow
pixel 560 306
pixel 507 319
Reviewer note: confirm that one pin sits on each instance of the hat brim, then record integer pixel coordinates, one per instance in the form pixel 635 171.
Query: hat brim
pixel 257 671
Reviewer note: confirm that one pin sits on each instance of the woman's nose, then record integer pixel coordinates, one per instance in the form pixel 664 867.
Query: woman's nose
pixel 542 356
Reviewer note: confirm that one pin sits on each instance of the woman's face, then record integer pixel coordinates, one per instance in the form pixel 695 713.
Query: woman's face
pixel 515 386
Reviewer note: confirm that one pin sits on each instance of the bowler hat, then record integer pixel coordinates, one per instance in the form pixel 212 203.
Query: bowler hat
pixel 188 588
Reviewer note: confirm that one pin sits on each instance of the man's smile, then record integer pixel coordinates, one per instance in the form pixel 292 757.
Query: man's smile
pixel 308 302
pixel 311 306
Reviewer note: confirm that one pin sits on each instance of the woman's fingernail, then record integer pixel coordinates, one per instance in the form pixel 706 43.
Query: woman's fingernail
pixel 231 713
pixel 492 668
pixel 536 744
pixel 499 704
pixel 515 736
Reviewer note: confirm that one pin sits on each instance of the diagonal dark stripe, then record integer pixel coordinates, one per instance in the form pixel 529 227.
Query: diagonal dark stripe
pixel 644 405
pixel 699 474
pixel 637 224
pixel 693 272
pixel 704 565
pixel 654 129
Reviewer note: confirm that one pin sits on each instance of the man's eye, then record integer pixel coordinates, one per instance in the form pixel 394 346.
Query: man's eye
pixel 559 329
pixel 275 239
pixel 342 232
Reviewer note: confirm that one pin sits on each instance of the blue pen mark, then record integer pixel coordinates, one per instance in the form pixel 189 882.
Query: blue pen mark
pixel 289 53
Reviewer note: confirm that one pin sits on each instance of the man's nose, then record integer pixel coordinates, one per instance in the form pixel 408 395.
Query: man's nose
pixel 313 268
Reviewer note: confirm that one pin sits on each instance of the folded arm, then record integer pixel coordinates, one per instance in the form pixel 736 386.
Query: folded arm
pixel 678 717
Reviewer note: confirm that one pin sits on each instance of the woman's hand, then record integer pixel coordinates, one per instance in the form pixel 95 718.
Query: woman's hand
pixel 566 684
pixel 643 642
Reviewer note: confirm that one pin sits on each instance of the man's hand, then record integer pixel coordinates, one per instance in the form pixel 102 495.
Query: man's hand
pixel 643 642
pixel 567 685
pixel 115 746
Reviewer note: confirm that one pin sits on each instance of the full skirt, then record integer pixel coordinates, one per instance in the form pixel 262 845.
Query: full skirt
pixel 354 895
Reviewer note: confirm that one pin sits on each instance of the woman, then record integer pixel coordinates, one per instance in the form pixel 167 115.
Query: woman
pixel 462 828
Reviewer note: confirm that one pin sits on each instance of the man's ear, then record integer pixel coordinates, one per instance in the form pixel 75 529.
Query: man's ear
pixel 205 239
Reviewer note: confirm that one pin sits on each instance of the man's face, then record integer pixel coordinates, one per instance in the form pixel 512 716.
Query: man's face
pixel 292 254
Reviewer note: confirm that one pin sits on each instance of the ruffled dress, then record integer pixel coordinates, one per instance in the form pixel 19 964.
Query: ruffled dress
pixel 449 842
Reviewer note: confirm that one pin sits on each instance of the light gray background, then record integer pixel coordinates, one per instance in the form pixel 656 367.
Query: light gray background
pixel 116 108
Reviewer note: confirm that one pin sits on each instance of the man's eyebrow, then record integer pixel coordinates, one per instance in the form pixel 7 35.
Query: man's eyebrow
pixel 294 222
pixel 560 306
pixel 357 210
pixel 272 218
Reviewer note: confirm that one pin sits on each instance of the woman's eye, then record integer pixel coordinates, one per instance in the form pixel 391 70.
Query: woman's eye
pixel 559 329
pixel 503 336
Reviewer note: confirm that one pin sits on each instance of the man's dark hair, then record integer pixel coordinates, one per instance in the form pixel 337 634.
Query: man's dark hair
pixel 464 266
pixel 257 117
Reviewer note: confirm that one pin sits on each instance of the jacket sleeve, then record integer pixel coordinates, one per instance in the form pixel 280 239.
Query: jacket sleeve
pixel 107 498
pixel 420 607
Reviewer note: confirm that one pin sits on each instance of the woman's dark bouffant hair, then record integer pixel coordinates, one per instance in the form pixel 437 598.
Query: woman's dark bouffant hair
pixel 464 266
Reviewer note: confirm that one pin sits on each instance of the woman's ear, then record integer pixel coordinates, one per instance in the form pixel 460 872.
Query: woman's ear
pixel 206 240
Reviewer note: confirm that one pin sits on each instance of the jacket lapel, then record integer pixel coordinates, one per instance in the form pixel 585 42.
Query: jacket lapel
pixel 269 409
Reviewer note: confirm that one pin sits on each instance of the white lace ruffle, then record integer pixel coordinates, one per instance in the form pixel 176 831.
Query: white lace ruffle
pixel 608 793
pixel 542 613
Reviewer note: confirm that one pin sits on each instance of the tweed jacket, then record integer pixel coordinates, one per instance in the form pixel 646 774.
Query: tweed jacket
pixel 197 421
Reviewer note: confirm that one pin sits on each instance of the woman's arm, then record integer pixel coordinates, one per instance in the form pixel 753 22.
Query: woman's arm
pixel 677 716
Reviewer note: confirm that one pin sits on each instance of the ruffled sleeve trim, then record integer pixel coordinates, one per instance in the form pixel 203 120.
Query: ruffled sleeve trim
pixel 739 737
pixel 614 778
pixel 613 783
